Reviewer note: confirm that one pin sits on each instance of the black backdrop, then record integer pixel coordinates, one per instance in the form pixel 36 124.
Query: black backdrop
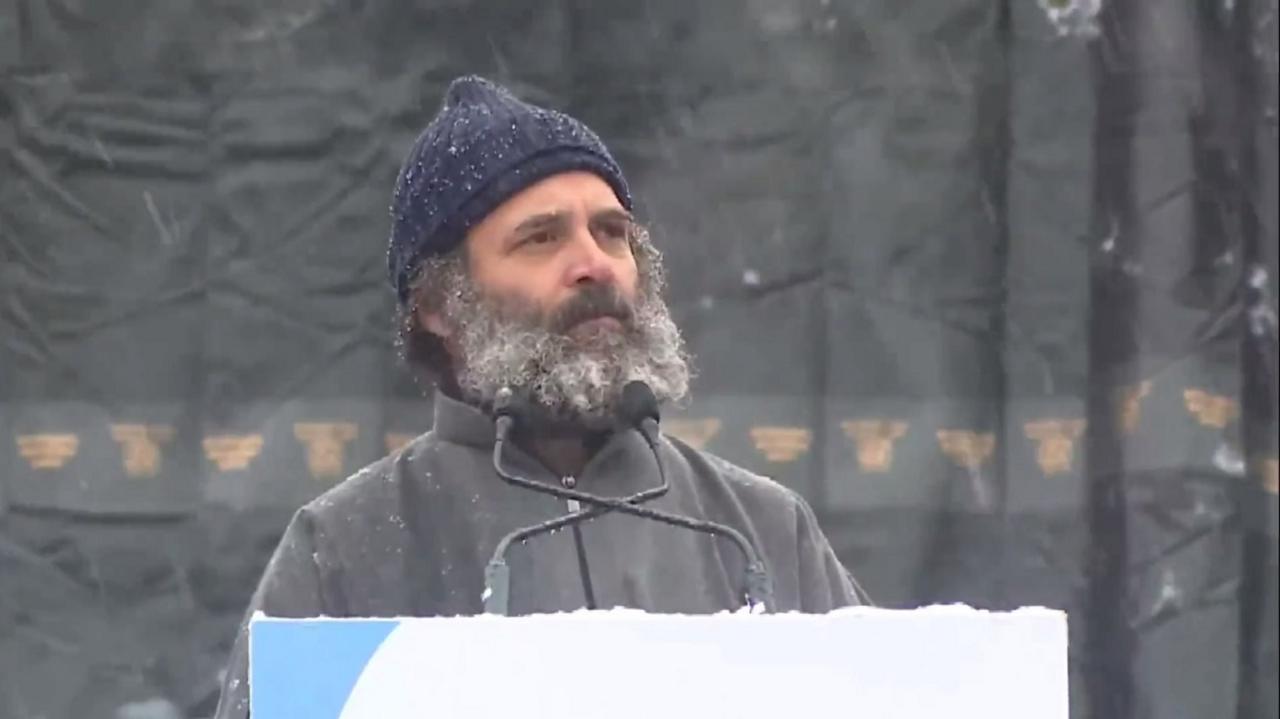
pixel 991 282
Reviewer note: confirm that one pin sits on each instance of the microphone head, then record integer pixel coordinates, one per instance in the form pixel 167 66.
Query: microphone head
pixel 637 404
pixel 508 402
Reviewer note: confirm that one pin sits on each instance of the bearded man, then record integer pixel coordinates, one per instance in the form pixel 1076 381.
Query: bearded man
pixel 522 273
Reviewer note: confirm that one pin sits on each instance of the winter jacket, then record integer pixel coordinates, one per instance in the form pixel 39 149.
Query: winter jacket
pixel 411 534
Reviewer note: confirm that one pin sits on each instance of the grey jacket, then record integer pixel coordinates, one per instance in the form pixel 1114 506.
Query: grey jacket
pixel 410 535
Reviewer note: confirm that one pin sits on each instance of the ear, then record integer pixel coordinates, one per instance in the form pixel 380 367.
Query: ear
pixel 434 323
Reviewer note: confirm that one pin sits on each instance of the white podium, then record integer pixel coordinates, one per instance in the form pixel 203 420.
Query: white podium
pixel 951 662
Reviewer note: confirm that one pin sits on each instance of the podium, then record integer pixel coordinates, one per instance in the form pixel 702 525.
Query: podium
pixel 946 661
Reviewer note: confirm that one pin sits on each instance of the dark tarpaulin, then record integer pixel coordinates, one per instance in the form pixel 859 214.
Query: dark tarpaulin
pixel 992 283
pixel 1175 569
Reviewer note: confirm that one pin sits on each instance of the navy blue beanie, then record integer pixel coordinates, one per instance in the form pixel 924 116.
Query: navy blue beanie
pixel 482 147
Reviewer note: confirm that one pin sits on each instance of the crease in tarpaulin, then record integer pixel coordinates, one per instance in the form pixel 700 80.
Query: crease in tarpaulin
pixel 59 645
pixel 86 321
pixel 175 155
pixel 752 287
pixel 43 275
pixel 277 307
pixel 1113 267
pixel 1171 595
pixel 1219 319
pixel 71 329
pixel 321 208
pixel 796 280
pixel 1064 558
pixel 303 374
pixel 43 353
pixel 25 259
pixel 282 25
pixel 1187 531
pixel 1166 613
pixel 47 567
pixel 355 278
pixel 927 312
pixel 217 272
pixel 27 162
pixel 1187 538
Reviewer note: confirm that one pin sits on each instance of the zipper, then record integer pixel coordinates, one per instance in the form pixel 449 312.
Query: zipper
pixel 568 482
pixel 588 592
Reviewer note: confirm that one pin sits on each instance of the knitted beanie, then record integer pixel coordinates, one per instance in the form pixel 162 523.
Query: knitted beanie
pixel 482 147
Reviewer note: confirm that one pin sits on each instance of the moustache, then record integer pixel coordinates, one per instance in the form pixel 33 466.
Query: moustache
pixel 594 302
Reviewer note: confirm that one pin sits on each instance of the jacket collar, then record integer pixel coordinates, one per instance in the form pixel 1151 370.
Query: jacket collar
pixel 460 423
pixel 623 460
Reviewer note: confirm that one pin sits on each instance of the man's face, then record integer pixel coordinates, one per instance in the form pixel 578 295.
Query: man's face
pixel 555 301
pixel 545 245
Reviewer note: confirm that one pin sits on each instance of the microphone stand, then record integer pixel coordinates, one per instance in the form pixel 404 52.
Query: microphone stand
pixel 757 592
pixel 497 574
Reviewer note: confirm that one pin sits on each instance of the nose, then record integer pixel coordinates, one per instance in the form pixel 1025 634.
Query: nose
pixel 589 262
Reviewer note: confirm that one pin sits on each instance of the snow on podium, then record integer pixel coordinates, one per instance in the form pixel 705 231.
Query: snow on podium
pixel 944 661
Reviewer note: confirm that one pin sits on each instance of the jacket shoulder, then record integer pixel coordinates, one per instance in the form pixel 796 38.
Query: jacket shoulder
pixel 373 481
pixel 737 479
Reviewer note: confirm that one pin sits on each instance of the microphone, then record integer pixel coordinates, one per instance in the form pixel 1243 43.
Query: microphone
pixel 637 408
pixel 757 590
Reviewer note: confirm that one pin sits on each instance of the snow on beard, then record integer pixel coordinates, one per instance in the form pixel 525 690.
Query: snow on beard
pixel 576 373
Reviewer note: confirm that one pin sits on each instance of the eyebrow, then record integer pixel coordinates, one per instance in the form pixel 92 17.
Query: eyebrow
pixel 550 219
pixel 539 221
pixel 612 213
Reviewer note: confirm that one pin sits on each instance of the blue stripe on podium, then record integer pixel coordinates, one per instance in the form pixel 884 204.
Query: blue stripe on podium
pixel 308 668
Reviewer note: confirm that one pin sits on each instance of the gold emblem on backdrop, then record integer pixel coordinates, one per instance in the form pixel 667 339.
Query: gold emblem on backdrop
pixel 781 444
pixel 396 441
pixel 1210 410
pixel 873 440
pixel 326 444
pixel 1057 443
pixel 1129 407
pixel 140 447
pixel 968 449
pixel 232 452
pixel 694 432
pixel 1271 475
pixel 47 451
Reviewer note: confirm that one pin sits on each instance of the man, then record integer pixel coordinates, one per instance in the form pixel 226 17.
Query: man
pixel 519 266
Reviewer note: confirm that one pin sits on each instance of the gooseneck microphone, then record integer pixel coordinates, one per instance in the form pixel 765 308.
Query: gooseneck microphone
pixel 639 409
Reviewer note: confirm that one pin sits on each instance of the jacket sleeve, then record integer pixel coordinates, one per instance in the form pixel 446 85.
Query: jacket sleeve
pixel 291 586
pixel 824 582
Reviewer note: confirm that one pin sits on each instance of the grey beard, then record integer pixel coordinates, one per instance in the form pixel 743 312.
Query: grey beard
pixel 577 379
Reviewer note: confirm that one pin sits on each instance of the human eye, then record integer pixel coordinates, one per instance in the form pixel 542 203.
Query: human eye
pixel 536 239
pixel 613 232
